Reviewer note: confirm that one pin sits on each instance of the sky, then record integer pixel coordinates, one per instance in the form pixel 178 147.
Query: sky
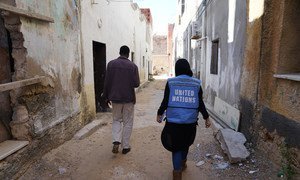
pixel 163 12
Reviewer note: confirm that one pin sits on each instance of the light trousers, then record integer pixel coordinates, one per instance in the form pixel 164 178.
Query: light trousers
pixel 122 123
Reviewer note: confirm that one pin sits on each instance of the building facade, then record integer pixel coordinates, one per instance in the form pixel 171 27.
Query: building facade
pixel 106 26
pixel 246 58
pixel 52 67
pixel 160 55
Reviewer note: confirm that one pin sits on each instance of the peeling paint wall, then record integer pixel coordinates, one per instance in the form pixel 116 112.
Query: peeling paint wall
pixel 279 99
pixel 271 106
pixel 49 113
pixel 51 50
pixel 226 21
pixel 5 77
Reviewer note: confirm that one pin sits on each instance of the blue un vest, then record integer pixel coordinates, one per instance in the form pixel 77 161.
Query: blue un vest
pixel 183 100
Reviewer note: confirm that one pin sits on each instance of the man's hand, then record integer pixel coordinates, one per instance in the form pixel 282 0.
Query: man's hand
pixel 108 103
pixel 207 123
pixel 158 118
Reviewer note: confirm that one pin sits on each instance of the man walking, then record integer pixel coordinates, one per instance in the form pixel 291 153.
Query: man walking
pixel 122 77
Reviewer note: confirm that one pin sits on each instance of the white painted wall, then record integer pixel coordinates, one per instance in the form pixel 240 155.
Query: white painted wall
pixel 189 15
pixel 223 20
pixel 114 24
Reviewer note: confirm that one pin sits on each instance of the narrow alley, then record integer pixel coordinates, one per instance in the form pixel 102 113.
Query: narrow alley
pixel 91 158
pixel 58 66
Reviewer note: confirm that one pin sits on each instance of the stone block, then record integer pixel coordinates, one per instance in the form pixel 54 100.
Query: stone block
pixel 9 147
pixel 20 114
pixel 232 143
pixel 20 127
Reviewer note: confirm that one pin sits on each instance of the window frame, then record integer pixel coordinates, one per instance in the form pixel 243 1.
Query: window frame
pixel 214 63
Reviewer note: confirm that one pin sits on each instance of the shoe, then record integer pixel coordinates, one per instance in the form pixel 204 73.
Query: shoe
pixel 125 151
pixel 183 165
pixel 177 174
pixel 115 149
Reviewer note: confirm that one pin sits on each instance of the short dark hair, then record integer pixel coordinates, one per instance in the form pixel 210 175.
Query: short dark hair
pixel 124 50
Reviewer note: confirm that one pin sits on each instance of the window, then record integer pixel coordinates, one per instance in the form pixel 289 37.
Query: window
pixel 289 52
pixel 214 57
pixel 143 61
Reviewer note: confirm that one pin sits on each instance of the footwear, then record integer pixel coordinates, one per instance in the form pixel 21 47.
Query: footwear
pixel 177 174
pixel 125 151
pixel 115 149
pixel 183 165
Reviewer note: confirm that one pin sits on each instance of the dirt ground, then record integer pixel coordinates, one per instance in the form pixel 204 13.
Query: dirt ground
pixel 91 158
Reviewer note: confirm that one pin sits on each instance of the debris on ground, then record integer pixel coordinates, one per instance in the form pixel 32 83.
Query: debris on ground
pixel 217 157
pixel 221 165
pixel 200 163
pixel 232 143
pixel 252 172
pixel 62 170
pixel 208 155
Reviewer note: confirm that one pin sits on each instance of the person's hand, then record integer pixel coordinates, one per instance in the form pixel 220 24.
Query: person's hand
pixel 108 103
pixel 158 118
pixel 207 123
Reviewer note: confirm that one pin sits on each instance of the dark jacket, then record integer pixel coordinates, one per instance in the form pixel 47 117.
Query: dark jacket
pixel 121 78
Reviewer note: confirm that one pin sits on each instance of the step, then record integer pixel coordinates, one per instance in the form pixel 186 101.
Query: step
pixel 89 129
pixel 11 146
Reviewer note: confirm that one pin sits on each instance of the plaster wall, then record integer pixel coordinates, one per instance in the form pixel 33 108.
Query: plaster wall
pixel 51 50
pixel 280 97
pixel 226 22
pixel 114 24
pixel 270 106
pixel 223 20
pixel 161 65
pixel 182 23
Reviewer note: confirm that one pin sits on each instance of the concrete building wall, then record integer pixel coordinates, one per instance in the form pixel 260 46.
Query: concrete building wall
pixel 271 105
pixel 114 24
pixel 226 21
pixel 52 50
pixel 160 45
pixel 49 113
pixel 160 57
pixel 182 26
pixel 160 65
pixel 170 48
pixel 258 42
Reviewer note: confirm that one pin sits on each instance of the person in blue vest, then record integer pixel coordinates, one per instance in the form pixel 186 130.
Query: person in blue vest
pixel 182 102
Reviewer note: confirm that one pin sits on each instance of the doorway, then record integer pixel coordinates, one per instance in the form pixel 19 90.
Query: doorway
pixel 99 53
pixel 6 70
